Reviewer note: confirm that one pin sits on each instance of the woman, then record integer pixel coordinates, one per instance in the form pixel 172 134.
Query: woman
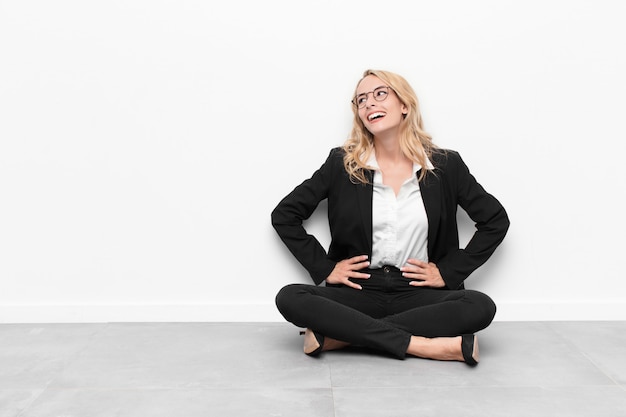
pixel 394 271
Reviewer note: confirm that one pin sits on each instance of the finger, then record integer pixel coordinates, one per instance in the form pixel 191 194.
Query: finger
pixel 350 270
pixel 413 269
pixel 352 285
pixel 415 275
pixel 357 259
pixel 359 275
pixel 361 265
pixel 408 270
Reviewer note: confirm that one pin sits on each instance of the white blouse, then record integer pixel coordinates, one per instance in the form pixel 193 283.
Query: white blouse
pixel 399 223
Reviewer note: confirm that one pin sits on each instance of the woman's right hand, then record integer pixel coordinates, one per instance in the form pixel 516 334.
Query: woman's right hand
pixel 348 268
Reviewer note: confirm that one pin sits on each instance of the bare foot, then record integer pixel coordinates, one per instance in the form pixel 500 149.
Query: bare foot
pixel 334 344
pixel 438 348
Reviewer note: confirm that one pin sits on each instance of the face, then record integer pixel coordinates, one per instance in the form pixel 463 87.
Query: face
pixel 379 117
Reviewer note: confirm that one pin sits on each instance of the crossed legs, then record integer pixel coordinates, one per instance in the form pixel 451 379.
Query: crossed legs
pixel 419 322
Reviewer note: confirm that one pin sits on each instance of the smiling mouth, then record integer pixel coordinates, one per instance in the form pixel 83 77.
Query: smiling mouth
pixel 375 116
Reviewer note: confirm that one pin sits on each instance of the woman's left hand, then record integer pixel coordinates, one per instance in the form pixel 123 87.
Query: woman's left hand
pixel 422 274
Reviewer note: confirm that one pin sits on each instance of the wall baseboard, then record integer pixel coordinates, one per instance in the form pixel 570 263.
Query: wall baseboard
pixel 507 311
pixel 562 311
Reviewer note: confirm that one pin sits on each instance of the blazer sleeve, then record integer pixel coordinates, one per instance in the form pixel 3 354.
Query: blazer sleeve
pixel 299 205
pixel 491 222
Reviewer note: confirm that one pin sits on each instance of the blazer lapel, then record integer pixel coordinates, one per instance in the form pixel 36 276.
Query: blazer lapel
pixel 430 187
pixel 364 194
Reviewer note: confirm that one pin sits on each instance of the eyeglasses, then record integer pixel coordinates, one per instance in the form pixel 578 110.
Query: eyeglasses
pixel 379 94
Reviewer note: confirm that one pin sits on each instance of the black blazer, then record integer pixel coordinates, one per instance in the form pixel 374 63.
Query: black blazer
pixel 449 185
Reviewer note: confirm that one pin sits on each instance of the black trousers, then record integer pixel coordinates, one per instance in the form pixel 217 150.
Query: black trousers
pixel 386 312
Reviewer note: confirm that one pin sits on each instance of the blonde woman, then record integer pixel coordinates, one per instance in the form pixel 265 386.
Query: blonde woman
pixel 394 271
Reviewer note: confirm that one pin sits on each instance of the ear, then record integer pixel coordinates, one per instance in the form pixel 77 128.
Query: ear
pixel 405 110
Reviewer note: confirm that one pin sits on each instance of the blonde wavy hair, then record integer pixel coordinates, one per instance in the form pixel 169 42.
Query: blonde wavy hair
pixel 415 143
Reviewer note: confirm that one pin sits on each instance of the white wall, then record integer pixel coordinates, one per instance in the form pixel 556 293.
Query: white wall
pixel 143 145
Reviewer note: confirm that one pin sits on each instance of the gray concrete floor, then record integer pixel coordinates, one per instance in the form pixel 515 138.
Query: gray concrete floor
pixel 258 369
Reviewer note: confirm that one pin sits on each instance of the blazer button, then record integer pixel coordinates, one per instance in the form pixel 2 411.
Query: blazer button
pixel 386 269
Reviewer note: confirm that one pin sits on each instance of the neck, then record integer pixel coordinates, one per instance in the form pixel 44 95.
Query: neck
pixel 388 150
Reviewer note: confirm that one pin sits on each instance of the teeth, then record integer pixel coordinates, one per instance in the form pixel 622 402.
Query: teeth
pixel 375 116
